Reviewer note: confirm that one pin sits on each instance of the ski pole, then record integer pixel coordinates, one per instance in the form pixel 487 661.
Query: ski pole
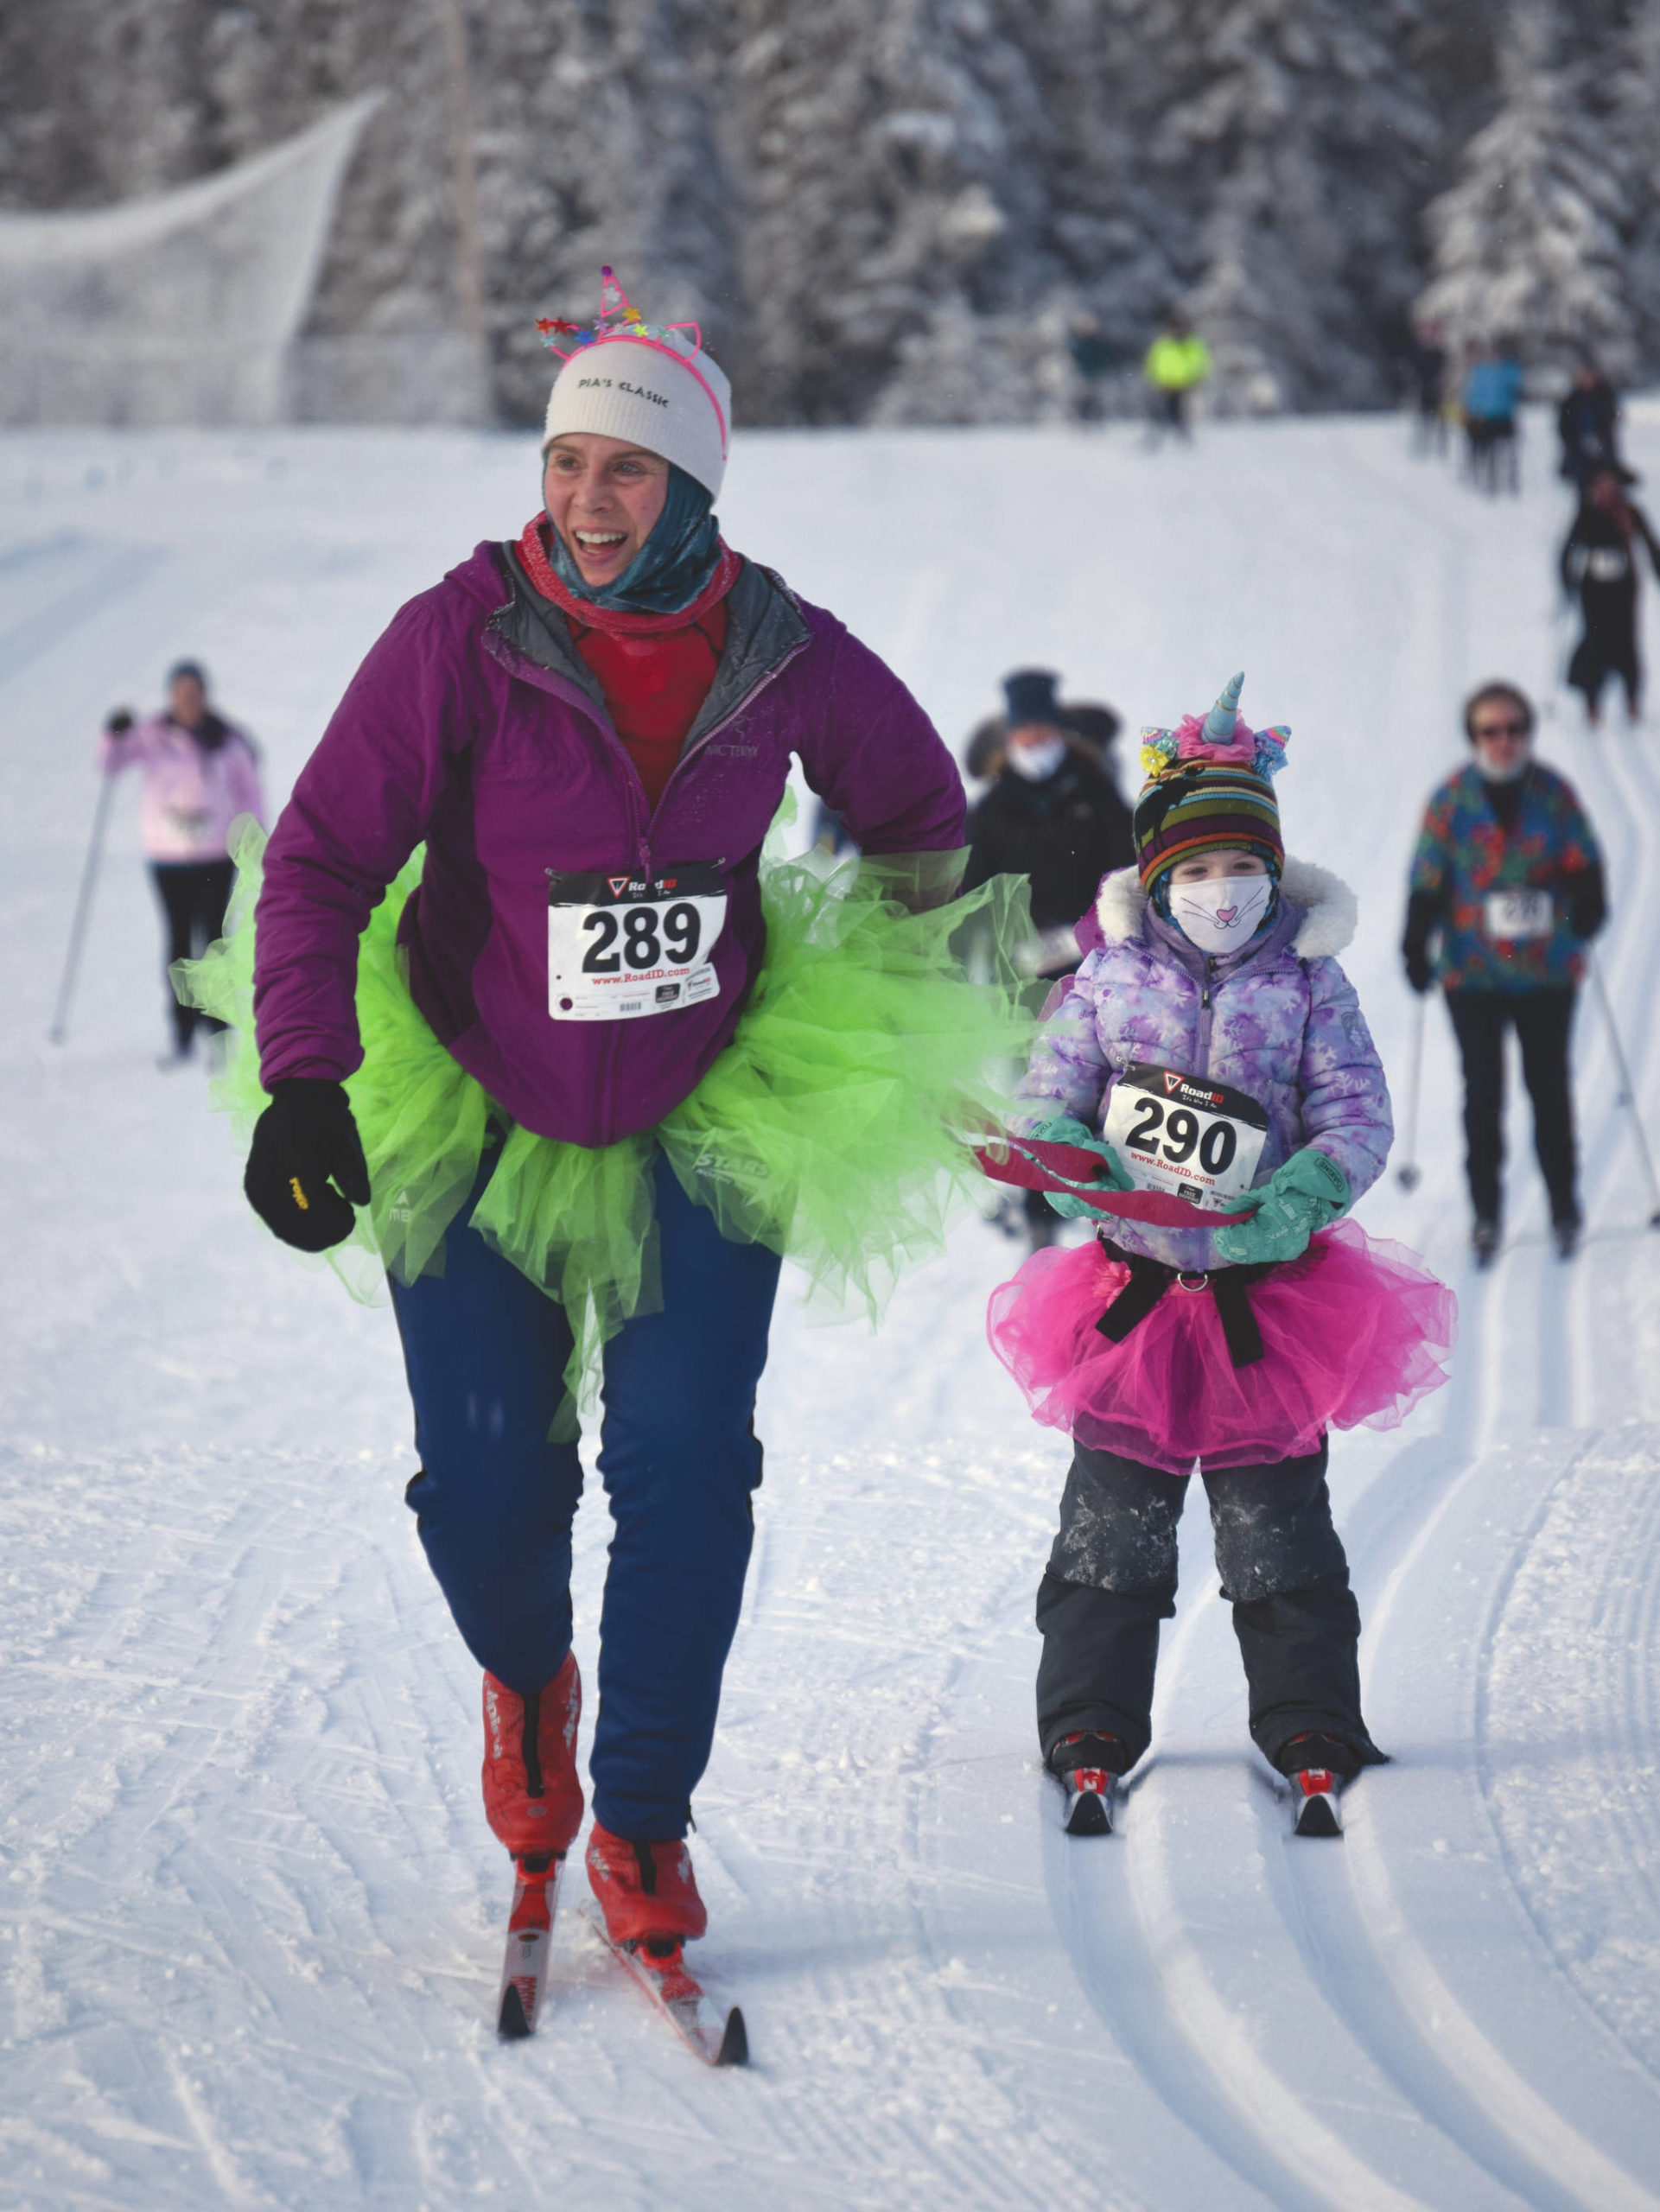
pixel 83 910
pixel 1627 1092
pixel 1561 656
pixel 1409 1175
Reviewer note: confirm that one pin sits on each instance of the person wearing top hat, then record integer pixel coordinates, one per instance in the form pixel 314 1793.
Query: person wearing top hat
pixel 1054 817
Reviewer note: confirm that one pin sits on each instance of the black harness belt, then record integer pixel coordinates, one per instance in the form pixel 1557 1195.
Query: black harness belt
pixel 1150 1279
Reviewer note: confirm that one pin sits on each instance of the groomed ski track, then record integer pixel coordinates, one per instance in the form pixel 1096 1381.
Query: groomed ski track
pixel 251 1918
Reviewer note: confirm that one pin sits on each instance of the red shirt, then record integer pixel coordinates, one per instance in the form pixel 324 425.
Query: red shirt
pixel 653 671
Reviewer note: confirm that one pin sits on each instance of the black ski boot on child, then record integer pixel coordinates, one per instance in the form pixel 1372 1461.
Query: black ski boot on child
pixel 1088 1768
pixel 1317 1767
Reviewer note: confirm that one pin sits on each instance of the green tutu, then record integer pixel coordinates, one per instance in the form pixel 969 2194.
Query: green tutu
pixel 834 1128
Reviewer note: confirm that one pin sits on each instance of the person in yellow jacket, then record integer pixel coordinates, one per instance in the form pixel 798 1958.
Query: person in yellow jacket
pixel 1177 362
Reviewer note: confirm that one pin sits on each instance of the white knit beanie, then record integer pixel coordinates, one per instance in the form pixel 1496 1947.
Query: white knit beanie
pixel 651 383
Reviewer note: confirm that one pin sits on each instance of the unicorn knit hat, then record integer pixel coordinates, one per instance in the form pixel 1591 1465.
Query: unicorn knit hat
pixel 1211 784
pixel 649 383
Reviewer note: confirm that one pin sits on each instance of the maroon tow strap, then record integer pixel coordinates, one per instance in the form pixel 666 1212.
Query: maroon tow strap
pixel 1032 1164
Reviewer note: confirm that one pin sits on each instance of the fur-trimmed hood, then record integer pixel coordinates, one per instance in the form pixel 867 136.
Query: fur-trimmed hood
pixel 1330 911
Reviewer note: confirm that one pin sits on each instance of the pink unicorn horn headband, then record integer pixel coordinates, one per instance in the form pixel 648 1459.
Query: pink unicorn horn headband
pixel 617 318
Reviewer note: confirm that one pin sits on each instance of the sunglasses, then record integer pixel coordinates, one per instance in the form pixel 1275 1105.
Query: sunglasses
pixel 1501 729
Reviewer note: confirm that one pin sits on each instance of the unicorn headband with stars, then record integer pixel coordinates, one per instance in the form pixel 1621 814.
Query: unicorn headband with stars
pixel 616 319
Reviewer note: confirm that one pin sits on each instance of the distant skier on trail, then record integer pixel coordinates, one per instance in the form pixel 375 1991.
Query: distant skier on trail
pixel 199 772
pixel 1426 365
pixel 1054 818
pixel 1210 1060
pixel 1506 891
pixel 1598 564
pixel 530 990
pixel 1587 424
pixel 1176 364
pixel 1491 394
pixel 1093 360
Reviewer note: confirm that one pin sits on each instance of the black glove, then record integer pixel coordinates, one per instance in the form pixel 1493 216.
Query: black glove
pixel 305 1137
pixel 1423 918
pixel 119 722
pixel 1587 903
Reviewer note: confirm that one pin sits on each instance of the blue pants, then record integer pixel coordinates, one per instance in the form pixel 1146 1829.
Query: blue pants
pixel 485 1351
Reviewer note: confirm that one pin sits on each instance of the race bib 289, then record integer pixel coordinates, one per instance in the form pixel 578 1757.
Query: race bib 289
pixel 622 947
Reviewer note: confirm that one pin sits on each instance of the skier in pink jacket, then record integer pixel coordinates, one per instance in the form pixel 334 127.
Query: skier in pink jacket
pixel 200 773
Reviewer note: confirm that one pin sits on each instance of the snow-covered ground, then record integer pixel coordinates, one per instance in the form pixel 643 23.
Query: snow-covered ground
pixel 251 1913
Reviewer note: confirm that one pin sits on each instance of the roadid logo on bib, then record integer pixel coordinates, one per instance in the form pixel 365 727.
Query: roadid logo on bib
pixel 621 948
pixel 1184 1136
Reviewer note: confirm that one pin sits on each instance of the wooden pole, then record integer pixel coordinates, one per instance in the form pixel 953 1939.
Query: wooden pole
pixel 464 186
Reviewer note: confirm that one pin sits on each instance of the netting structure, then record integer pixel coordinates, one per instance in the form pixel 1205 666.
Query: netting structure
pixel 180 308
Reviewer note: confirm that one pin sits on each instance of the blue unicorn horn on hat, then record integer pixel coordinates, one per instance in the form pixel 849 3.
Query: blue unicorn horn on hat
pixel 1219 723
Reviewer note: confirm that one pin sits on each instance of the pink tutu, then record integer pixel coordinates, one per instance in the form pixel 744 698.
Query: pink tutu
pixel 1356 1330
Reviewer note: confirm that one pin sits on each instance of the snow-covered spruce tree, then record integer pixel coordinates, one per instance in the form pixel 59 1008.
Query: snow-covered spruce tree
pixel 888 199
pixel 993 347
pixel 1112 243
pixel 596 145
pixel 1529 242
pixel 1293 140
pixel 1633 103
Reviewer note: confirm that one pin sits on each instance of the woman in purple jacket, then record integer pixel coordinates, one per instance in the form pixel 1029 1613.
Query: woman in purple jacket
pixel 1211 1055
pixel 599 1062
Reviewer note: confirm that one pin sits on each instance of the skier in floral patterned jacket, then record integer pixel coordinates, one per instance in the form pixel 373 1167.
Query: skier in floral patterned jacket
pixel 1507 887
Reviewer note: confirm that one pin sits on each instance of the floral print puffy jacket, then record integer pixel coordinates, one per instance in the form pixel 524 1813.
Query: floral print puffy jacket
pixel 1278 1021
pixel 1464 852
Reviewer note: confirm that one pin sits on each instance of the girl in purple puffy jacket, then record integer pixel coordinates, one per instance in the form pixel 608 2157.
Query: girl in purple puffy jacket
pixel 1212 1056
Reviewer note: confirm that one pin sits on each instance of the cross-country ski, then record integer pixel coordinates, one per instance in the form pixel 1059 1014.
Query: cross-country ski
pixel 524 1962
pixel 656 1964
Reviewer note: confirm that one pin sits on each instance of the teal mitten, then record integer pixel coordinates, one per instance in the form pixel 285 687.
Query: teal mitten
pixel 1062 1129
pixel 1301 1196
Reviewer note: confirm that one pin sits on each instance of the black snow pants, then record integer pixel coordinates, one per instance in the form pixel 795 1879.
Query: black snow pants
pixel 1543 1019
pixel 194 896
pixel 1609 645
pixel 1111 1578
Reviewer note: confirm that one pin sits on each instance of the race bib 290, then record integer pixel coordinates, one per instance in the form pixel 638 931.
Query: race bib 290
pixel 1184 1136
pixel 622 947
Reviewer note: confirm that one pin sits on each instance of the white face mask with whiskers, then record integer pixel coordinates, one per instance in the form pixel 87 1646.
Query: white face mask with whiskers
pixel 1223 914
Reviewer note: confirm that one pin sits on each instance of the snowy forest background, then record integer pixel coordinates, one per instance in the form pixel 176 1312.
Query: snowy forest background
pixel 894 211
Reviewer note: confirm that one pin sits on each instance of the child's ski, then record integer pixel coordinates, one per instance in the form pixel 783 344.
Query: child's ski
pixel 715 2032
pixel 1091 1800
pixel 1314 1796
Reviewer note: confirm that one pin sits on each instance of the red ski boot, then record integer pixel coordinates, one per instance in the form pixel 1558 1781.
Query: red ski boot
pixel 532 1798
pixel 647 1891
